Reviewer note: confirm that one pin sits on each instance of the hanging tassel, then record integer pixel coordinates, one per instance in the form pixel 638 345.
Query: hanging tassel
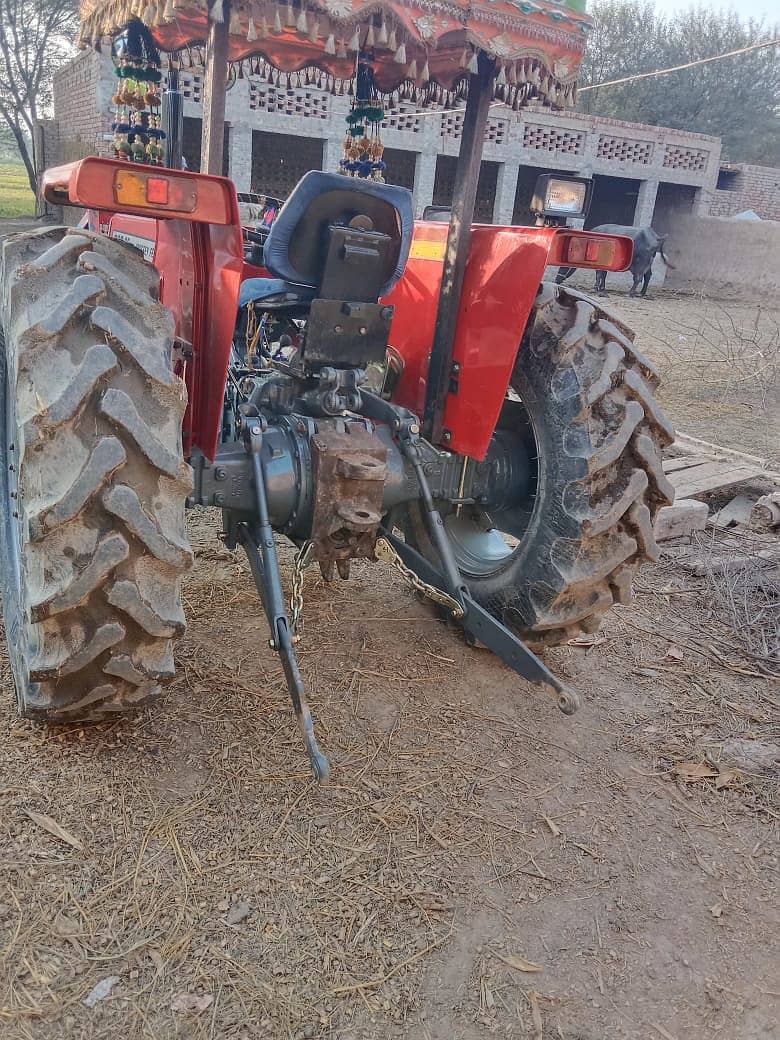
pixel 392 43
pixel 513 74
pixel 472 66
pixel 330 44
pixel 148 16
pixel 241 70
pixel 354 43
pixel 369 42
pixel 235 23
pixel 400 55
pixel 341 49
pixel 289 18
pixel 168 11
pixel 251 33
pixel 216 14
pixel 411 72
pixel 277 30
pixel 426 72
pixel 314 32
pixel 501 77
pixel 263 28
pixel 302 25
pixel 464 58
pixel 382 38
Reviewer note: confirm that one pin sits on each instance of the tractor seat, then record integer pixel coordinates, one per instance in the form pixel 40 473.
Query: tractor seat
pixel 275 294
pixel 335 238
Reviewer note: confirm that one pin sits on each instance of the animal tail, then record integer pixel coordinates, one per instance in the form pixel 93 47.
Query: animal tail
pixel 663 257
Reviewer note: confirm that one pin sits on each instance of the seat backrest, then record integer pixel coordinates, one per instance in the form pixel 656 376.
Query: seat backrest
pixel 299 244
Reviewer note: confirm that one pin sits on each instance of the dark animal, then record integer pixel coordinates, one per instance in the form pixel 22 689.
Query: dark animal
pixel 646 244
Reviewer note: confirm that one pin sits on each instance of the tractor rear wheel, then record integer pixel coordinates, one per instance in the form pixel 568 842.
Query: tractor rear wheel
pixel 92 479
pixel 582 396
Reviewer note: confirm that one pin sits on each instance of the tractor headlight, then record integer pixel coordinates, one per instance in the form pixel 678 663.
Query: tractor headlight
pixel 556 196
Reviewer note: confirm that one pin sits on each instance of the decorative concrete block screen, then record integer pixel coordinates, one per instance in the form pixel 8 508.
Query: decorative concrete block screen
pixel 191 87
pixel 405 118
pixel 308 104
pixel 548 139
pixel 495 131
pixel 685 158
pixel 623 149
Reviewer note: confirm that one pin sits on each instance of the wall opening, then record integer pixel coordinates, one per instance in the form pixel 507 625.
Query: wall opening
pixel 672 202
pixel 486 186
pixel 280 160
pixel 191 142
pixel 401 165
pixel 614 201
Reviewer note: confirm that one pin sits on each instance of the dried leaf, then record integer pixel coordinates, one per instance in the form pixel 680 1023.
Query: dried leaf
pixel 192 1002
pixel 514 960
pixel 101 991
pixel 157 960
pixel 54 828
pixel 674 653
pixel 692 771
pixel 728 778
pixel 717 910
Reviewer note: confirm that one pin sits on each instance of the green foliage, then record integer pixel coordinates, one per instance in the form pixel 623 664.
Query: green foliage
pixel 737 99
pixel 16 199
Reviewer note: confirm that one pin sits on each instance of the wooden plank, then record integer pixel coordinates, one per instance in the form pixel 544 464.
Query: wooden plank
pixel 710 477
pixel 737 511
pixel 214 89
pixel 684 442
pixel 685 462
pixel 683 518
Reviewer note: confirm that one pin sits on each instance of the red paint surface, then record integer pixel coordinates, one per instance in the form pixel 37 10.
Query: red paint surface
pixel 201 265
pixel 505 267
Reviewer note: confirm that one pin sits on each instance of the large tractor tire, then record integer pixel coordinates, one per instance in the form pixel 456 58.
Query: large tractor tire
pixel 582 396
pixel 92 480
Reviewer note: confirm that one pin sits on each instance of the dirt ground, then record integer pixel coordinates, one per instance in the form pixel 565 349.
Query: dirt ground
pixel 480 865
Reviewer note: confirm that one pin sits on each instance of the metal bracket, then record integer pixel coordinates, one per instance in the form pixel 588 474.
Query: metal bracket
pixel 485 628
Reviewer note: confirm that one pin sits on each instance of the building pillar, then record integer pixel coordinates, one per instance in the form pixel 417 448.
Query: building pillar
pixel 332 153
pixel 240 156
pixel 506 189
pixel 424 178
pixel 645 203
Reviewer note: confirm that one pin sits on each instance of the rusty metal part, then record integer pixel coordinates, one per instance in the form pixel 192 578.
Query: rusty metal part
pixel 349 468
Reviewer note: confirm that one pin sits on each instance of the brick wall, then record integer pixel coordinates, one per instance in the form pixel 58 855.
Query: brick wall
pixel 747 187
pixel 82 110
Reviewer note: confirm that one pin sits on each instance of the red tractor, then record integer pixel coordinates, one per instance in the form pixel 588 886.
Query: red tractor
pixel 508 462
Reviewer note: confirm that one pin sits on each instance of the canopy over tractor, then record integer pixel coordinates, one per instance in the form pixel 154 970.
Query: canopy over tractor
pixel 539 45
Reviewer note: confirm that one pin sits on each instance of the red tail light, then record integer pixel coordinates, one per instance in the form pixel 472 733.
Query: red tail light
pixel 585 249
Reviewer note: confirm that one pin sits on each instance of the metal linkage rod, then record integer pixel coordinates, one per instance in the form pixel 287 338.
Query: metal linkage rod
pixel 259 545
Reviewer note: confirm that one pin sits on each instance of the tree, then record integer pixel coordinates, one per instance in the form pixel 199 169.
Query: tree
pixel 35 39
pixel 737 99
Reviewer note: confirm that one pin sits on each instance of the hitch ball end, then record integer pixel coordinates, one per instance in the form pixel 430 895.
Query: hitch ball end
pixel 568 700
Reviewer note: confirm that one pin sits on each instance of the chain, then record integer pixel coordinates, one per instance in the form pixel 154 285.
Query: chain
pixel 302 561
pixel 385 552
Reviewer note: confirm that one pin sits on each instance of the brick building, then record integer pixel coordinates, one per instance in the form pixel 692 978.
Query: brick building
pixel 274 134
pixel 743 187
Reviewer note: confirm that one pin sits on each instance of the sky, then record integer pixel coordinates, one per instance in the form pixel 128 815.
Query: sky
pixel 745 8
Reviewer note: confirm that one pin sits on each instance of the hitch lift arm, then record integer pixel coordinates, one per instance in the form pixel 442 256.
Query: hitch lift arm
pixel 258 542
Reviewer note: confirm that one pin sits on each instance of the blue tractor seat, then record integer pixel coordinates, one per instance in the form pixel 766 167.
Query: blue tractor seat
pixel 274 294
pixel 364 263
